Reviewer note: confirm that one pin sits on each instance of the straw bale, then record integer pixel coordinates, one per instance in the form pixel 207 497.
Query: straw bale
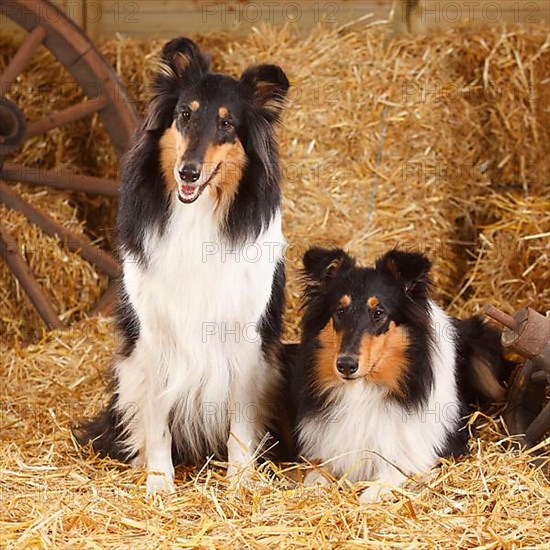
pixel 454 180
pixel 501 80
pixel 512 258
pixel 358 101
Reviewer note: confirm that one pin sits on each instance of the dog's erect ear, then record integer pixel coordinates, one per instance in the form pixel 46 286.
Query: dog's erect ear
pixel 181 64
pixel 322 265
pixel 266 86
pixel 410 269
pixel 182 59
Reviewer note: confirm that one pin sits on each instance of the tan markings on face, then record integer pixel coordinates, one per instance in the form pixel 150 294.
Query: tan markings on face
pixel 373 301
pixel 194 105
pixel 383 358
pixel 326 373
pixel 345 300
pixel 230 157
pixel 172 147
pixel 223 112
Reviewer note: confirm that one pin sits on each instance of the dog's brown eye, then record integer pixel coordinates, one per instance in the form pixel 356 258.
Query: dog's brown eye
pixel 377 314
pixel 339 312
pixel 185 116
pixel 227 124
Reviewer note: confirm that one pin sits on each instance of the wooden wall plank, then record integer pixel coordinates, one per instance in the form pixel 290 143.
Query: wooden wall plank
pixel 426 15
pixel 142 18
pixel 167 18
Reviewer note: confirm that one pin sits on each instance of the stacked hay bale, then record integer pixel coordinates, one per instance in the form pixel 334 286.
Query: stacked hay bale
pixel 388 145
pixel 511 267
pixel 505 97
pixel 452 181
pixel 350 119
pixel 397 144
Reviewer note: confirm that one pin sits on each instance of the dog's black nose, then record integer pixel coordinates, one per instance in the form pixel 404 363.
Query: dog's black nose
pixel 347 365
pixel 190 172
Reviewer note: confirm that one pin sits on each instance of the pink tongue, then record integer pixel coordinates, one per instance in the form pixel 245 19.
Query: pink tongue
pixel 188 189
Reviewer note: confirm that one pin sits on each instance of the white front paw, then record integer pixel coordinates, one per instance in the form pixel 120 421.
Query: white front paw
pixel 375 493
pixel 240 463
pixel 160 483
pixel 315 477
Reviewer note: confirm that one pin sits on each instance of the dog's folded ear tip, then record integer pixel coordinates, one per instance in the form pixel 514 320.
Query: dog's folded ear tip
pixel 321 264
pixel 181 43
pixel 181 57
pixel 409 268
pixel 267 86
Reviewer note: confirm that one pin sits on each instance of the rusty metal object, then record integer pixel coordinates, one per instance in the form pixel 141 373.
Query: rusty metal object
pixel 47 26
pixel 527 333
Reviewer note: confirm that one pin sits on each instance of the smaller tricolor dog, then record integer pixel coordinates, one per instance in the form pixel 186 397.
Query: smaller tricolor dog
pixel 384 377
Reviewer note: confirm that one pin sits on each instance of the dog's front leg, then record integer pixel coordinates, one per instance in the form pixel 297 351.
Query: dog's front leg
pixel 158 448
pixel 144 407
pixel 245 424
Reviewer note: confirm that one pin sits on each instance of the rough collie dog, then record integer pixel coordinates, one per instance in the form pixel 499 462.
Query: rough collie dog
pixel 199 229
pixel 384 377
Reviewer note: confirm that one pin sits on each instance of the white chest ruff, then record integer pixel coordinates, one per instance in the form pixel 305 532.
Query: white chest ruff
pixel 199 303
pixel 363 435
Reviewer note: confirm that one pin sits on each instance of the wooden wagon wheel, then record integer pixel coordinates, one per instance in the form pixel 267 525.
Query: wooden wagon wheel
pixel 47 26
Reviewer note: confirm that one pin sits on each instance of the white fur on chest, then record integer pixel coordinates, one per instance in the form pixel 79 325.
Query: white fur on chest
pixel 199 303
pixel 364 434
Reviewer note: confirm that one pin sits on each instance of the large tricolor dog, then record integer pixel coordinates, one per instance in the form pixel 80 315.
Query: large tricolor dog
pixel 199 320
pixel 384 376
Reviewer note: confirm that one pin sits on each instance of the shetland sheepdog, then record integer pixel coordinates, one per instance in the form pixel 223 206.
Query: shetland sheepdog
pixel 384 377
pixel 199 229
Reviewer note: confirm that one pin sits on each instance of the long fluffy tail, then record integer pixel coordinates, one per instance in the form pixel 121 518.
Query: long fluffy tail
pixel 105 432
pixel 482 368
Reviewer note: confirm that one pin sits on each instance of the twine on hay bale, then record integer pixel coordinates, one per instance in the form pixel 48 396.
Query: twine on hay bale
pixel 54 494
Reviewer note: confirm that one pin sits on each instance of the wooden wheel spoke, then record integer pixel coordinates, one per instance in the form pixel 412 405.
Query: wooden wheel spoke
pixel 60 179
pixel 10 252
pixel 47 26
pixel 76 243
pixel 71 114
pixel 23 55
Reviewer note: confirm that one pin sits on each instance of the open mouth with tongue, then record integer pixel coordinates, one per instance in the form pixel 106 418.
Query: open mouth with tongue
pixel 188 193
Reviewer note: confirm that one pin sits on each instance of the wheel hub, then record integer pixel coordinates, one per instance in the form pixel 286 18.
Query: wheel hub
pixel 13 127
